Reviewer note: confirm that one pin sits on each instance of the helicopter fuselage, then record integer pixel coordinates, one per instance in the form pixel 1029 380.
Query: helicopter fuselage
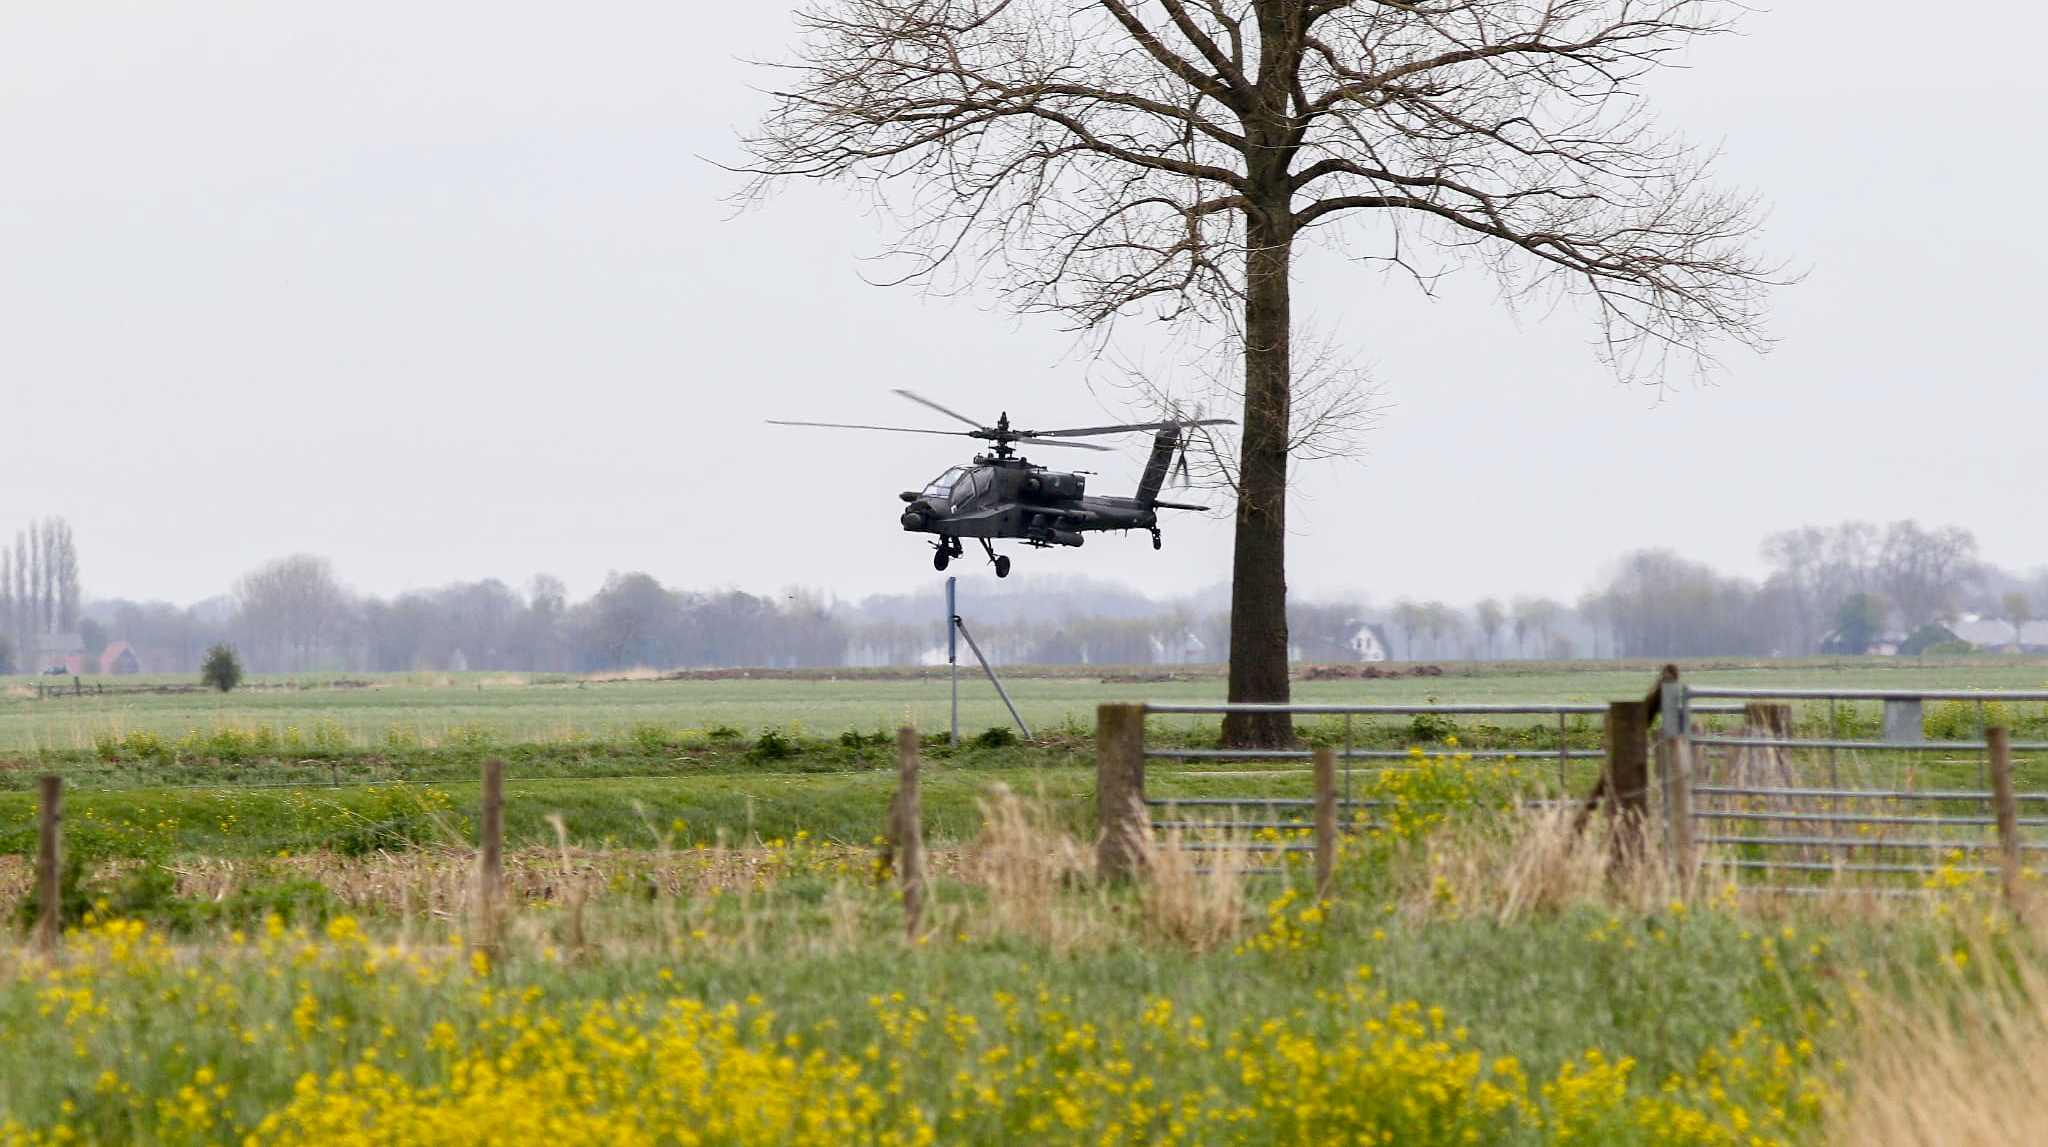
pixel 1003 496
pixel 1010 498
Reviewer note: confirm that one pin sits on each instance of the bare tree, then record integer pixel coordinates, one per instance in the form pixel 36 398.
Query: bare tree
pixel 39 593
pixel 2017 611
pixel 290 610
pixel 1922 571
pixel 1124 156
pixel 1799 566
pixel 60 553
pixel 1440 621
pixel 1535 616
pixel 1488 616
pixel 13 599
pixel 1596 610
pixel 1409 617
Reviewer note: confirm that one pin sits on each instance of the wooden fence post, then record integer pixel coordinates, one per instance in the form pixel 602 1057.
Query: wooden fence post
pixel 908 813
pixel 491 858
pixel 1121 829
pixel 1628 775
pixel 2006 809
pixel 1326 820
pixel 49 857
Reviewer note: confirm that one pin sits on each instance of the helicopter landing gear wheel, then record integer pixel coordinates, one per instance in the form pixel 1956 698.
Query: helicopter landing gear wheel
pixel 941 558
pixel 1000 561
pixel 1156 543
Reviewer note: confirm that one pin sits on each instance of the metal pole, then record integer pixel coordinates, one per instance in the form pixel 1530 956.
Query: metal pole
pixel 1564 756
pixel 1347 763
pixel 1680 802
pixel 1326 820
pixel 961 625
pixel 953 655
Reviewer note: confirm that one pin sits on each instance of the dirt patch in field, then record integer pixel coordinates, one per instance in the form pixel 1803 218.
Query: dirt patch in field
pixel 1367 672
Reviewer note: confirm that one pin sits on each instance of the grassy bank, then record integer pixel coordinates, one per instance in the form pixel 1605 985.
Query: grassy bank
pixel 1452 992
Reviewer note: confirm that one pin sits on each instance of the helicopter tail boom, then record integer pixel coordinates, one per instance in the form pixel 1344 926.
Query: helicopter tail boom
pixel 1164 443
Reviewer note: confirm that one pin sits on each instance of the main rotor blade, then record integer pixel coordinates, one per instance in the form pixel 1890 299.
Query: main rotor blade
pixel 860 426
pixel 923 401
pixel 1085 431
pixel 1035 444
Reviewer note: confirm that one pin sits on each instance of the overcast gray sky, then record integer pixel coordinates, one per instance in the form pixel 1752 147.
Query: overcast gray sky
pixel 446 291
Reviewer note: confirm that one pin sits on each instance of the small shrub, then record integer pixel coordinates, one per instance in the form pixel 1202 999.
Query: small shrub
pixel 773 745
pixel 473 735
pixel 74 900
pixel 995 737
pixel 221 670
pixel 723 732
pixel 330 735
pixel 1431 728
pixel 396 817
pixel 227 744
pixel 1966 720
pixel 649 737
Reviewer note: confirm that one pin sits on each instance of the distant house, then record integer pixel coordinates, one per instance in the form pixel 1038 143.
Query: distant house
pixel 63 651
pixel 118 660
pixel 1367 643
pixel 1177 649
pixel 1885 644
pixel 1995 633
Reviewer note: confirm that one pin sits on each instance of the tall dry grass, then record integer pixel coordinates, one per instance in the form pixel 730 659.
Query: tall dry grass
pixel 1195 898
pixel 1532 861
pixel 1959 1061
pixel 1040 878
pixel 1042 884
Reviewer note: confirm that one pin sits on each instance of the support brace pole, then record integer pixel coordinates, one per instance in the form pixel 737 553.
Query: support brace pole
pixel 961 624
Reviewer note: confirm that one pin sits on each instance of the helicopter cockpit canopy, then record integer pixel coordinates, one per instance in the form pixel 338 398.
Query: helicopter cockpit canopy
pixel 942 486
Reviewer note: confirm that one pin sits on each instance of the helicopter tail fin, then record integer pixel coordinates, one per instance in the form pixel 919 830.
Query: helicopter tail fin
pixel 1164 444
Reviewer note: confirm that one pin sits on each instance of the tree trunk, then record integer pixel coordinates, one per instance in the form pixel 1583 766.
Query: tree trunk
pixel 1258 585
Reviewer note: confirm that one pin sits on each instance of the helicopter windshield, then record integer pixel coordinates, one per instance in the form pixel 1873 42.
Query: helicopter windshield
pixel 942 486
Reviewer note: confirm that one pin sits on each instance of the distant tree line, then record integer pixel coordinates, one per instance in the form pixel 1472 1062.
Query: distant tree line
pixel 1850 588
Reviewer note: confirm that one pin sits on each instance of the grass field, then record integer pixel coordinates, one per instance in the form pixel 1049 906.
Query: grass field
pixel 1450 993
pixel 506 709
pixel 272 907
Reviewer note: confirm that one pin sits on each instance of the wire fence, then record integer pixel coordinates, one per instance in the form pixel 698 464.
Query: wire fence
pixel 1791 791
pixel 1899 813
pixel 1278 826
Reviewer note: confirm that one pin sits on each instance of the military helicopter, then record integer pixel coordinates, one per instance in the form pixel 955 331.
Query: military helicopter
pixel 1001 495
